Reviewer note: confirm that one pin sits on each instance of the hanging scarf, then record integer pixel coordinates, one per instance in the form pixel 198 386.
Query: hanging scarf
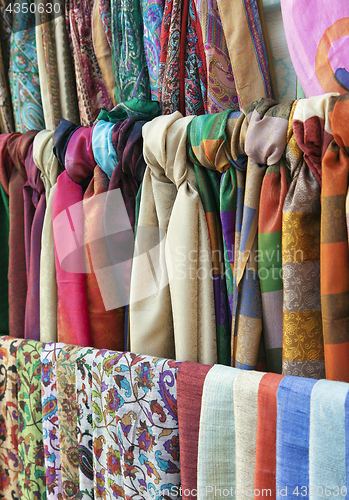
pixel 135 426
pixel 303 349
pixel 216 448
pixel 253 72
pixel 190 382
pixel 31 475
pixel 56 74
pixel 91 89
pixel 207 137
pixel 105 13
pixel 13 151
pixel 129 62
pixel 180 323
pixel 24 73
pixel 61 138
pixel 316 39
pixel 102 147
pixel 9 459
pixel 152 13
pixel 67 420
pixel 34 212
pixel 6 113
pixel 266 436
pixel 4 259
pixel 334 242
pixel 221 91
pixel 47 163
pixel 133 107
pixel 103 50
pixel 72 327
pixel 83 377
pixel 50 425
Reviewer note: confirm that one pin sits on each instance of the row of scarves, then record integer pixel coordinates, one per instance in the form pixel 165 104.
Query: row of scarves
pixel 84 423
pixel 263 195
pixel 196 57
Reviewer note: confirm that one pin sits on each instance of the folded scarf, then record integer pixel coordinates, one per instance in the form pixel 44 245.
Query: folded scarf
pixel 180 322
pixel 216 457
pixel 135 425
pixel 61 137
pixel 190 382
pixel 31 475
pixel 327 437
pixel 292 436
pixel 247 45
pixel 50 427
pixel 9 458
pixel 266 436
pixel 13 151
pixel 334 243
pixel 102 147
pixel 67 420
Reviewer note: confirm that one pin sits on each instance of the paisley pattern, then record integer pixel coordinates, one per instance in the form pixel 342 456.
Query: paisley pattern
pixel 83 374
pixel 9 463
pixel 50 420
pixel 24 74
pixel 67 418
pixel 135 426
pixel 130 67
pixel 31 477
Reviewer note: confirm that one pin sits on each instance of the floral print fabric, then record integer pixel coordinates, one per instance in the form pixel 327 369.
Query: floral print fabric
pixel 31 477
pixel 9 463
pixel 135 426
pixel 50 426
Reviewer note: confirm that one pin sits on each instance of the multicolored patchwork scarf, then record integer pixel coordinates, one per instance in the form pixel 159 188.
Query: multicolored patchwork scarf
pixel 24 73
pixel 9 459
pixel 50 427
pixel 334 256
pixel 31 475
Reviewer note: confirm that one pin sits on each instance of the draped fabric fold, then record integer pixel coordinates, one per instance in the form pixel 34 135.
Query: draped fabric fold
pixel 190 382
pixel 9 459
pixel 52 455
pixel 73 323
pixel 91 89
pixel 24 73
pixel 334 254
pixel 242 23
pixel 180 323
pixel 303 343
pixel 13 151
pixel 207 142
pixel 31 477
pixel 221 91
pixel 216 457
pixel 4 260
pixel 6 113
pixel 34 212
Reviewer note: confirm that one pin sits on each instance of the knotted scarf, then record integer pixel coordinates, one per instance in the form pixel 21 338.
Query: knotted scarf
pixel 303 349
pixel 172 317
pixel 334 256
pixel 13 151
pixel 47 163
